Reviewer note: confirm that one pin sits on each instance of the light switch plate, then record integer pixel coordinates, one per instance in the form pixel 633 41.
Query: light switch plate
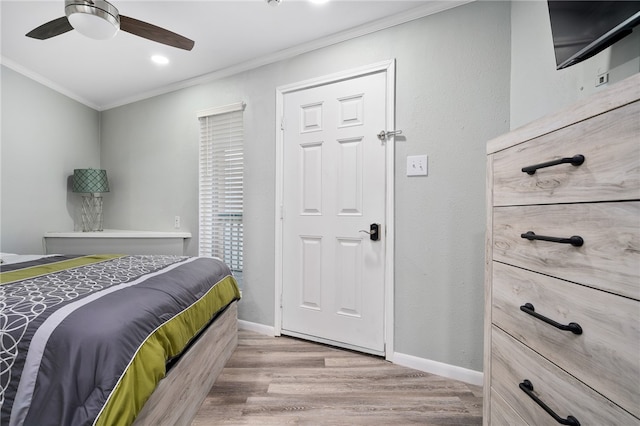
pixel 417 165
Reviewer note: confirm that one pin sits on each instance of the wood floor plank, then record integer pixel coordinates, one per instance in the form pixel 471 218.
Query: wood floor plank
pixel 287 381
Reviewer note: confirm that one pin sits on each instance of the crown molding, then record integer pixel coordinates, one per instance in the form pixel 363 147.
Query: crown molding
pixel 419 12
pixel 430 8
pixel 46 82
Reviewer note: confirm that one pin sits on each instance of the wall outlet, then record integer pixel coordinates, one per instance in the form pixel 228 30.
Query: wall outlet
pixel 176 222
pixel 602 79
pixel 417 165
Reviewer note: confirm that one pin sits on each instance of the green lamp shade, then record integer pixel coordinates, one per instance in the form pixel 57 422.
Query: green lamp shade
pixel 90 180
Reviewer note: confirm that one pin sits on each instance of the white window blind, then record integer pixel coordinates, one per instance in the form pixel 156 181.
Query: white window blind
pixel 221 184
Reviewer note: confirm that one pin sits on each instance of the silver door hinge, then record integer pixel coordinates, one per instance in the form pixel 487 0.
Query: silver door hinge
pixel 282 124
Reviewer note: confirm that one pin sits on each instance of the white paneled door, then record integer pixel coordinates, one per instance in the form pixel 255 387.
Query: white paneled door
pixel 333 190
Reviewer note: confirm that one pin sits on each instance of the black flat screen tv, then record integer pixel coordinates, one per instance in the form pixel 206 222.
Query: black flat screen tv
pixel 581 29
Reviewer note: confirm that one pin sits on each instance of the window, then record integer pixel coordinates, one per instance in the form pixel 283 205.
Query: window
pixel 221 185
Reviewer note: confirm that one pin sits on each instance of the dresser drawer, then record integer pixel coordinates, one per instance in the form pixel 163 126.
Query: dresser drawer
pixel 606 356
pixel 608 260
pixel 611 171
pixel 512 363
pixel 502 414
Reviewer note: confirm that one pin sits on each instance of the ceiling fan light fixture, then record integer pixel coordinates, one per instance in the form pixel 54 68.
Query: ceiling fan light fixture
pixel 95 19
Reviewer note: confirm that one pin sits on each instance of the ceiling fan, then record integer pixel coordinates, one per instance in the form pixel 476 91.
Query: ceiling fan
pixel 100 20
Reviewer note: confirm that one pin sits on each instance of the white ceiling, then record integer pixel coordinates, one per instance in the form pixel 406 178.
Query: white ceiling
pixel 230 36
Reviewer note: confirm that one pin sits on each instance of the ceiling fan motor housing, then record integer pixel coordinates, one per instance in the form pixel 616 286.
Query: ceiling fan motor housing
pixel 97 19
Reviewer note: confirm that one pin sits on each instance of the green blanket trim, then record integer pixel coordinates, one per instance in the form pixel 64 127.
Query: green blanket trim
pixel 39 270
pixel 167 341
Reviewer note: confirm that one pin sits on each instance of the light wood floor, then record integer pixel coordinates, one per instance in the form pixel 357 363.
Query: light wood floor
pixel 286 381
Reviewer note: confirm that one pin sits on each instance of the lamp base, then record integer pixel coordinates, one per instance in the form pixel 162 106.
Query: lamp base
pixel 91 213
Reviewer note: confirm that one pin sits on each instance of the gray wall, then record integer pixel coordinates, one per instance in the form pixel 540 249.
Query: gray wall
pixel 463 76
pixel 45 135
pixel 451 96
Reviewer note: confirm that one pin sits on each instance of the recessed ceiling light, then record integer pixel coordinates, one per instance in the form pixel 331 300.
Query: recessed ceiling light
pixel 160 60
pixel 319 1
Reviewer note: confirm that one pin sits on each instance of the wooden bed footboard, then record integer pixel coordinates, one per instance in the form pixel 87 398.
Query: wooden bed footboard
pixel 179 395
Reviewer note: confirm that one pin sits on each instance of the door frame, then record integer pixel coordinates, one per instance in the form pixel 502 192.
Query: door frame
pixel 387 67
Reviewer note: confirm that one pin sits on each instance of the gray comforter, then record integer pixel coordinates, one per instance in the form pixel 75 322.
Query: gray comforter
pixel 84 340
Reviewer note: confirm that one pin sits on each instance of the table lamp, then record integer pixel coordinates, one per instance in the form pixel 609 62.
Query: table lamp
pixel 91 183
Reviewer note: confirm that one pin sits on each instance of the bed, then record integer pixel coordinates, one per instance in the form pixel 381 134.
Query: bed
pixel 112 339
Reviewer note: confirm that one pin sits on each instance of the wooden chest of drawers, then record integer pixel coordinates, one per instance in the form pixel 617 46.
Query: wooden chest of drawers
pixel 562 281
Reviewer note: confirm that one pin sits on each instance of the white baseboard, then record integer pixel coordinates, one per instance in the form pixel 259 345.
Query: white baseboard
pixel 257 328
pixel 441 369
pixel 428 366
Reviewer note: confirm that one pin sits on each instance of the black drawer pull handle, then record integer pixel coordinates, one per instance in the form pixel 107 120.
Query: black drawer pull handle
pixel 576 160
pixel 575 240
pixel 527 388
pixel 572 326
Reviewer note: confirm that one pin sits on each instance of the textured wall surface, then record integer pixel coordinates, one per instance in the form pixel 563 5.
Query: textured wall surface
pixel 452 95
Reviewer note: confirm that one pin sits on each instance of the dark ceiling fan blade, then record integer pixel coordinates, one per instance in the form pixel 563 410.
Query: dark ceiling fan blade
pixel 51 29
pixel 154 33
